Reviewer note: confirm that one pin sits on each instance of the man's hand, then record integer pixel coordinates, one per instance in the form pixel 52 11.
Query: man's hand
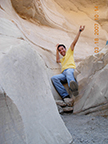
pixel 81 28
pixel 77 37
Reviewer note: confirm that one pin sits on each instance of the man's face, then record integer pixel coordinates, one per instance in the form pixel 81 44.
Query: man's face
pixel 62 50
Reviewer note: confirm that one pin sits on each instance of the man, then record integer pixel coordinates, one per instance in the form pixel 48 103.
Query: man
pixel 67 70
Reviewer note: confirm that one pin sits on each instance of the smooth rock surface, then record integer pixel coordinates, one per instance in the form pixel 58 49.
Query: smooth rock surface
pixel 29 32
pixel 92 75
pixel 23 79
pixel 58 21
pixel 28 112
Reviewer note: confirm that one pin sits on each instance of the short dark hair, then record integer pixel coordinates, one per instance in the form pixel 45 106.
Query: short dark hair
pixel 60 46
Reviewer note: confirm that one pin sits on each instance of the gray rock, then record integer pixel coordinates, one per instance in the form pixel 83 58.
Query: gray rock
pixel 28 113
pixel 92 74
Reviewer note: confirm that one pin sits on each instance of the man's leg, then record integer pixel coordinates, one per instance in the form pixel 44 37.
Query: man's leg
pixel 57 81
pixel 72 83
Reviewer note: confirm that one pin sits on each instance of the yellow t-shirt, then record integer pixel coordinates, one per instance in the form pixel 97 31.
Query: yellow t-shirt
pixel 68 60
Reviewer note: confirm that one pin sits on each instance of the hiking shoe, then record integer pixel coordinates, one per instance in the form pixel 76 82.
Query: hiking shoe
pixel 74 88
pixel 69 101
pixel 75 93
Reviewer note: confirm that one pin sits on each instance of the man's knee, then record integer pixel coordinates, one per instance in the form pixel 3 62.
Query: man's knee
pixel 53 78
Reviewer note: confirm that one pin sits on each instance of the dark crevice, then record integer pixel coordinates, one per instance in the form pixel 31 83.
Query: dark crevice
pixel 94 109
pixel 12 36
pixel 2 8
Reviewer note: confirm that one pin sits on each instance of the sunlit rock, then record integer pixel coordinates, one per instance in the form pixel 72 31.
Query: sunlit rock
pixel 29 32
pixel 92 76
pixel 28 112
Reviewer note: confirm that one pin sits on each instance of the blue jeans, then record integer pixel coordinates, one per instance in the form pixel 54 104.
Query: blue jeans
pixel 58 80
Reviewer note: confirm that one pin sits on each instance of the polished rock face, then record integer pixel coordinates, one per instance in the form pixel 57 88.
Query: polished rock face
pixel 92 76
pixel 29 32
pixel 28 112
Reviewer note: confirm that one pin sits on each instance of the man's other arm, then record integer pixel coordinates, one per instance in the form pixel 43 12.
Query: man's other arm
pixel 57 55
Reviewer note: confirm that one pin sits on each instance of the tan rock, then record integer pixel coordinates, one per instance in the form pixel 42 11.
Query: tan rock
pixel 60 103
pixel 64 109
pixel 67 109
pixel 92 77
pixel 27 108
pixel 24 80
pixel 27 56
pixel 69 101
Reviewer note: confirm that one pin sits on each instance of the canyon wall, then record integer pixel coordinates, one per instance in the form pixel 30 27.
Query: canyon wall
pixel 29 32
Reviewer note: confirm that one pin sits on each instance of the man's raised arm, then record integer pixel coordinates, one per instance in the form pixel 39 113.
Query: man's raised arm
pixel 77 37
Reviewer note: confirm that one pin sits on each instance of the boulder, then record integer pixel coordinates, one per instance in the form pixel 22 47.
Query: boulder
pixel 29 32
pixel 92 76
pixel 28 113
